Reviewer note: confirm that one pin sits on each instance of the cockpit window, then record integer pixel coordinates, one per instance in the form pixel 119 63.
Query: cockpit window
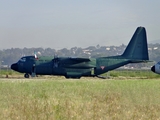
pixel 22 60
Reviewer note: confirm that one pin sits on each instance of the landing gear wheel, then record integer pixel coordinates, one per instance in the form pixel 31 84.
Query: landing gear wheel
pixel 26 75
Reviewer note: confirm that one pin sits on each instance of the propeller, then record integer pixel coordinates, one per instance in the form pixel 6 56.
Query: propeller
pixel 36 54
pixel 55 56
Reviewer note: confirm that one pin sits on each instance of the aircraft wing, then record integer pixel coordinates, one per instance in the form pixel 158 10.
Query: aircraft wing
pixel 80 59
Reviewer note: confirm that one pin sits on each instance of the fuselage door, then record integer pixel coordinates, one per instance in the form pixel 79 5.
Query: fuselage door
pixel 33 70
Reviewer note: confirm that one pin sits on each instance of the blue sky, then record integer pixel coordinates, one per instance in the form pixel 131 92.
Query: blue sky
pixel 81 23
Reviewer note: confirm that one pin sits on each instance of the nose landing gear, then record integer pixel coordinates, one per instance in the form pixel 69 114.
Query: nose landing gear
pixel 26 75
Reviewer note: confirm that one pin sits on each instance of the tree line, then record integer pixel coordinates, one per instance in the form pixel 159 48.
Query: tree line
pixel 9 56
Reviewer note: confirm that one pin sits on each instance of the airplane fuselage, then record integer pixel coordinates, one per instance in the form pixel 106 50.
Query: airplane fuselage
pixel 68 67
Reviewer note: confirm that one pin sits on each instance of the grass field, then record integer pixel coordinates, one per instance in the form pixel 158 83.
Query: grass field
pixel 56 98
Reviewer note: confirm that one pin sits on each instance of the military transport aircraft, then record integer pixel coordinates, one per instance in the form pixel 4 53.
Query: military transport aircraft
pixel 156 68
pixel 136 52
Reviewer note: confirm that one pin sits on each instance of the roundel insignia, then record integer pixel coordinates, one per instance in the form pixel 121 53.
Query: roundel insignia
pixel 102 67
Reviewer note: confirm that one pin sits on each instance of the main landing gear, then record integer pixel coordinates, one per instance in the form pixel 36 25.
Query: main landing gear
pixel 26 75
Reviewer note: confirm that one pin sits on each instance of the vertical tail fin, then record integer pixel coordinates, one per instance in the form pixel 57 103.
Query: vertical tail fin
pixel 137 48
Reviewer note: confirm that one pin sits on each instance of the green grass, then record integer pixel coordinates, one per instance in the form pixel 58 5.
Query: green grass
pixel 8 72
pixel 88 99
pixel 132 73
pixel 112 74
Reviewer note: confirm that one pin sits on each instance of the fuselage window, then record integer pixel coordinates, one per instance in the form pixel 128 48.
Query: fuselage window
pixel 22 60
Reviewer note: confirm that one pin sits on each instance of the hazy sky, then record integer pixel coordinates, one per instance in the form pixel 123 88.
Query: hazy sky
pixel 81 23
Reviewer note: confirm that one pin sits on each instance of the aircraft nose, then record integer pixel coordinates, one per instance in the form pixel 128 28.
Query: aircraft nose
pixel 14 66
pixel 153 68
